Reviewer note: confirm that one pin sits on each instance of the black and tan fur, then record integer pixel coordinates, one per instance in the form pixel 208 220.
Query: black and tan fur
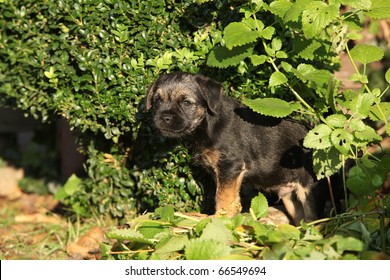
pixel 238 146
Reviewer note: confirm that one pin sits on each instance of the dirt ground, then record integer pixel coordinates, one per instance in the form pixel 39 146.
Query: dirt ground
pixel 30 228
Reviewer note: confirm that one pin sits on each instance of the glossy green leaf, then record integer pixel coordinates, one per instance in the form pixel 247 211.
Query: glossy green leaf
pixel 316 16
pixel 318 137
pixel 380 9
pixel 336 120
pixel 273 107
pixel 360 4
pixel 199 249
pixel 128 234
pixel 222 57
pixel 259 206
pixel 277 79
pixel 366 53
pixel 239 34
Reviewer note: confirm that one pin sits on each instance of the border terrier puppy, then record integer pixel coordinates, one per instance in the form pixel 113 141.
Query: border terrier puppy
pixel 237 145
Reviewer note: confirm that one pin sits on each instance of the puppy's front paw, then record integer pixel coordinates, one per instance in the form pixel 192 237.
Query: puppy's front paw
pixel 229 210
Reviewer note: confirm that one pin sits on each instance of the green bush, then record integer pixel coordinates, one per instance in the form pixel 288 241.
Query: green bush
pixel 92 61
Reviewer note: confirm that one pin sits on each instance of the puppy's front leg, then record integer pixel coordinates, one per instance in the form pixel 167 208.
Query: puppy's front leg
pixel 228 195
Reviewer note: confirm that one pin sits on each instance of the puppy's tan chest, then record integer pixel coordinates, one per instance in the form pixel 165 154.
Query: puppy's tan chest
pixel 210 159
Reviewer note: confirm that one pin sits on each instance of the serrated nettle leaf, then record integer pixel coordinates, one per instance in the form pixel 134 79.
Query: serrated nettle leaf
pixel 380 111
pixel 280 7
pixel 380 9
pixel 318 137
pixel 295 11
pixel 359 4
pixel 272 106
pixel 361 104
pixel 259 206
pixel 216 230
pixel 254 24
pixel 309 49
pixel 198 249
pixel 366 53
pixel 359 181
pixel 336 120
pixel 326 162
pixel 368 134
pixel 316 16
pixel 306 72
pixel 239 34
pixel 342 140
pixel 277 79
pixel 128 234
pixel 222 57
pixel 356 125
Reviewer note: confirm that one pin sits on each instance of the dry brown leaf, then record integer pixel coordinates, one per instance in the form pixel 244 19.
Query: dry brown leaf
pixel 38 218
pixel 87 246
pixel 10 177
pixel 34 203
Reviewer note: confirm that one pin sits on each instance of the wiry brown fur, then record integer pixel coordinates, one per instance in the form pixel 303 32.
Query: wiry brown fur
pixel 235 144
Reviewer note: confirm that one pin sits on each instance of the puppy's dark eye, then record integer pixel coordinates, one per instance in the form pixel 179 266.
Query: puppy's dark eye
pixel 186 103
pixel 157 101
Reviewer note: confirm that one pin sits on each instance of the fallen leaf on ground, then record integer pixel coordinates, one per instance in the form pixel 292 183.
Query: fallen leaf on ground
pixel 34 203
pixel 39 218
pixel 10 177
pixel 87 246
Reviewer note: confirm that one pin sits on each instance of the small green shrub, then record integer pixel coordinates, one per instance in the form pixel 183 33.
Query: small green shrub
pixel 91 62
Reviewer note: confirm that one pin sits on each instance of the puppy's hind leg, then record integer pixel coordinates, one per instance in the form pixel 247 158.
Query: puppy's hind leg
pixel 297 201
pixel 306 198
pixel 293 207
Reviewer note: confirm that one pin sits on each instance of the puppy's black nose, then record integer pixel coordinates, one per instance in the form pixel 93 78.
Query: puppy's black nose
pixel 167 118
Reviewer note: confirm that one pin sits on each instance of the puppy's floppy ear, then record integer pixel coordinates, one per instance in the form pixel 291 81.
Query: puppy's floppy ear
pixel 211 91
pixel 149 96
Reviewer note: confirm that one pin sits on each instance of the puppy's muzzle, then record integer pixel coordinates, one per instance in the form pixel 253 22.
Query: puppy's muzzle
pixel 166 118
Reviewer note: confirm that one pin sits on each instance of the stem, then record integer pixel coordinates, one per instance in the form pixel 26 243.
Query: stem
pixel 331 194
pixel 382 225
pixel 344 182
pixel 355 67
pixel 344 216
pixel 297 96
pixel 130 252
pixel 365 85
pixel 181 215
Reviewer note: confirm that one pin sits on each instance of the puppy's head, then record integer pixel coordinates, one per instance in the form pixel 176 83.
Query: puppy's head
pixel 181 101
